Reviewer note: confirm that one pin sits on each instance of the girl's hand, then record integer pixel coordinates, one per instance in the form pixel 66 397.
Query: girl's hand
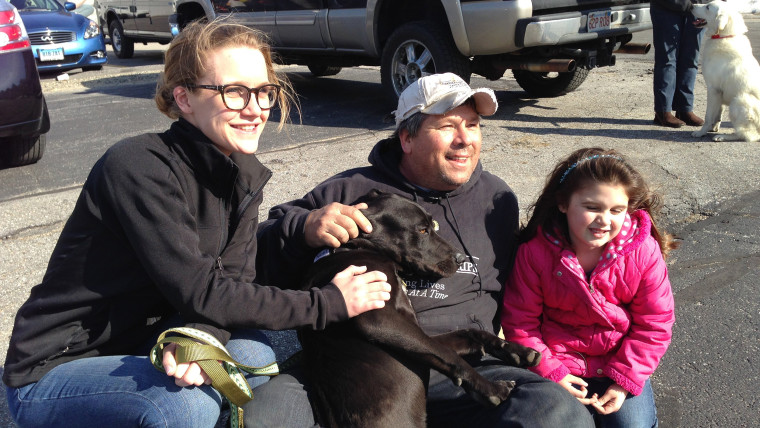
pixel 611 401
pixel 185 374
pixel 569 382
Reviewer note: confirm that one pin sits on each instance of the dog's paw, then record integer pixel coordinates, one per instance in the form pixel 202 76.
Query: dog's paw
pixel 698 134
pixel 719 138
pixel 518 355
pixel 497 392
pixel 533 358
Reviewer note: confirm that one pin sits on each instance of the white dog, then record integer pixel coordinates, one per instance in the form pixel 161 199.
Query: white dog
pixel 730 71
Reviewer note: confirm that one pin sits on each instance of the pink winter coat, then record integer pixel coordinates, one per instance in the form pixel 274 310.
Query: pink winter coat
pixel 618 325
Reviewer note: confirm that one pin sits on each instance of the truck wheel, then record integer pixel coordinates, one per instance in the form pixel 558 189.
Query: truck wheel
pixel 544 84
pixel 23 150
pixel 418 49
pixel 122 46
pixel 324 70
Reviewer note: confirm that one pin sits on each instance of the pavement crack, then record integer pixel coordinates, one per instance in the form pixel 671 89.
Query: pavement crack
pixel 40 229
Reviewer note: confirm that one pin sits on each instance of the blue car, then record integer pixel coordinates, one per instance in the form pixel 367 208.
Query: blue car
pixel 61 40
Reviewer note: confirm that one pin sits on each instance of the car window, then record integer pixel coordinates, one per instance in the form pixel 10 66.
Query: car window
pixel 27 5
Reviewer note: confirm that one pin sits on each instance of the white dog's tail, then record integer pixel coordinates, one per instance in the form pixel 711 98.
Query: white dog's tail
pixel 744 112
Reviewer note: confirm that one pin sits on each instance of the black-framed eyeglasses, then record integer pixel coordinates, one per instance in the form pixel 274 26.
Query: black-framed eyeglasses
pixel 237 97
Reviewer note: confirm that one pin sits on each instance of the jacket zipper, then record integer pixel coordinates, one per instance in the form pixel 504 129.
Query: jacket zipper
pixel 247 199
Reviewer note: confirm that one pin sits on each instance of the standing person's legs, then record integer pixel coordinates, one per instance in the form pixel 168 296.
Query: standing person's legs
pixel 687 66
pixel 665 38
pixel 535 402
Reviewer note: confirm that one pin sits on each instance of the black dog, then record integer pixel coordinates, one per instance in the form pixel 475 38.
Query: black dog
pixel 372 371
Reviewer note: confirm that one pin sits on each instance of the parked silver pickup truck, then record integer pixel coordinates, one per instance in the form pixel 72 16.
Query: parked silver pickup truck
pixel 550 45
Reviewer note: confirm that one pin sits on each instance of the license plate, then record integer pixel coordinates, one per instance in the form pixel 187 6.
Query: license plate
pixel 51 54
pixel 598 21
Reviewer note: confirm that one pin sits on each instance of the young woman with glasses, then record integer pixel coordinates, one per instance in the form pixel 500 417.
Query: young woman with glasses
pixel 163 235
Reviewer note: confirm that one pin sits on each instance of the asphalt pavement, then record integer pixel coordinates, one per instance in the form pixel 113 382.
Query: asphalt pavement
pixel 710 376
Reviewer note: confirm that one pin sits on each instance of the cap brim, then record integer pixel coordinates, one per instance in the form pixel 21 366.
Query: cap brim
pixel 485 102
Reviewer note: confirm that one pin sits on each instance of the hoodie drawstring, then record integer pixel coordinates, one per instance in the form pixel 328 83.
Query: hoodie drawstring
pixel 461 241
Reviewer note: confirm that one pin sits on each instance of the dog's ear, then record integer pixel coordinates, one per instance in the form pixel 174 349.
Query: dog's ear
pixel 722 18
pixel 369 196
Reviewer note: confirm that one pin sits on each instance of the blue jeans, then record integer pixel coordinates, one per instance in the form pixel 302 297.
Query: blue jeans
pixel 638 411
pixel 676 56
pixel 535 402
pixel 127 391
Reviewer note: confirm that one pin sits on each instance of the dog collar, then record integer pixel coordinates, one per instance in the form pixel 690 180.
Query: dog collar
pixel 718 36
pixel 324 253
pixel 328 252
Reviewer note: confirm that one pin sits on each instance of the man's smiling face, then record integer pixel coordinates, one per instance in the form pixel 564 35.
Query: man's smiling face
pixel 445 151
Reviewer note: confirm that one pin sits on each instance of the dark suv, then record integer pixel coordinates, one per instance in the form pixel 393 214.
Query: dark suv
pixel 24 117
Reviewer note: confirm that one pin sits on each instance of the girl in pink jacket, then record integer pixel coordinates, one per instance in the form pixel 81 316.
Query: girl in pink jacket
pixel 590 288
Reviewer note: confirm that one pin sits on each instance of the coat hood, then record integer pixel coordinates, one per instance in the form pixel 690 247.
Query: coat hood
pixel 386 157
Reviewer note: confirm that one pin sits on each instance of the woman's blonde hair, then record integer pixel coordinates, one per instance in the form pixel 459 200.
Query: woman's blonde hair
pixel 185 61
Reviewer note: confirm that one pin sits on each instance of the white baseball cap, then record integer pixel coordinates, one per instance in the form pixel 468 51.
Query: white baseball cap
pixel 440 93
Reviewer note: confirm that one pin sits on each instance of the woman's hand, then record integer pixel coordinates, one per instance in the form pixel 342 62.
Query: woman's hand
pixel 335 224
pixel 185 374
pixel 577 388
pixel 362 290
pixel 611 401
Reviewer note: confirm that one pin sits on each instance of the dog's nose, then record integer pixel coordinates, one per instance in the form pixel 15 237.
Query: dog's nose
pixel 460 258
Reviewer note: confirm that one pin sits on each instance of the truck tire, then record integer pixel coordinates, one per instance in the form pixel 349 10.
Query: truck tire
pixel 122 46
pixel 323 70
pixel 22 150
pixel 544 84
pixel 418 49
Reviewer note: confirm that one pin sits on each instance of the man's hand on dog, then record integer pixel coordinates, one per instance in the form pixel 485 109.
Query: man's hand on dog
pixel 362 290
pixel 335 224
pixel 185 374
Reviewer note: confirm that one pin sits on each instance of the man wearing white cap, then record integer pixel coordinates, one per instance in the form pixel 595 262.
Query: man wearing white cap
pixel 433 159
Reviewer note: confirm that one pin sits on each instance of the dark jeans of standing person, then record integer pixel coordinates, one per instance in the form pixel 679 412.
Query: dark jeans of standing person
pixel 676 56
pixel 535 403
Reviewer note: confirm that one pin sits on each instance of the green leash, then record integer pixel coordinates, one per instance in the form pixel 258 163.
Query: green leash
pixel 208 352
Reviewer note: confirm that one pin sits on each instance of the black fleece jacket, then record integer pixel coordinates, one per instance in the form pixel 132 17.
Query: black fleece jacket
pixel 164 226
pixel 480 218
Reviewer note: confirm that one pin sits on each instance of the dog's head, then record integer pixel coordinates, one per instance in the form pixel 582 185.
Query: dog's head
pixel 406 233
pixel 721 19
